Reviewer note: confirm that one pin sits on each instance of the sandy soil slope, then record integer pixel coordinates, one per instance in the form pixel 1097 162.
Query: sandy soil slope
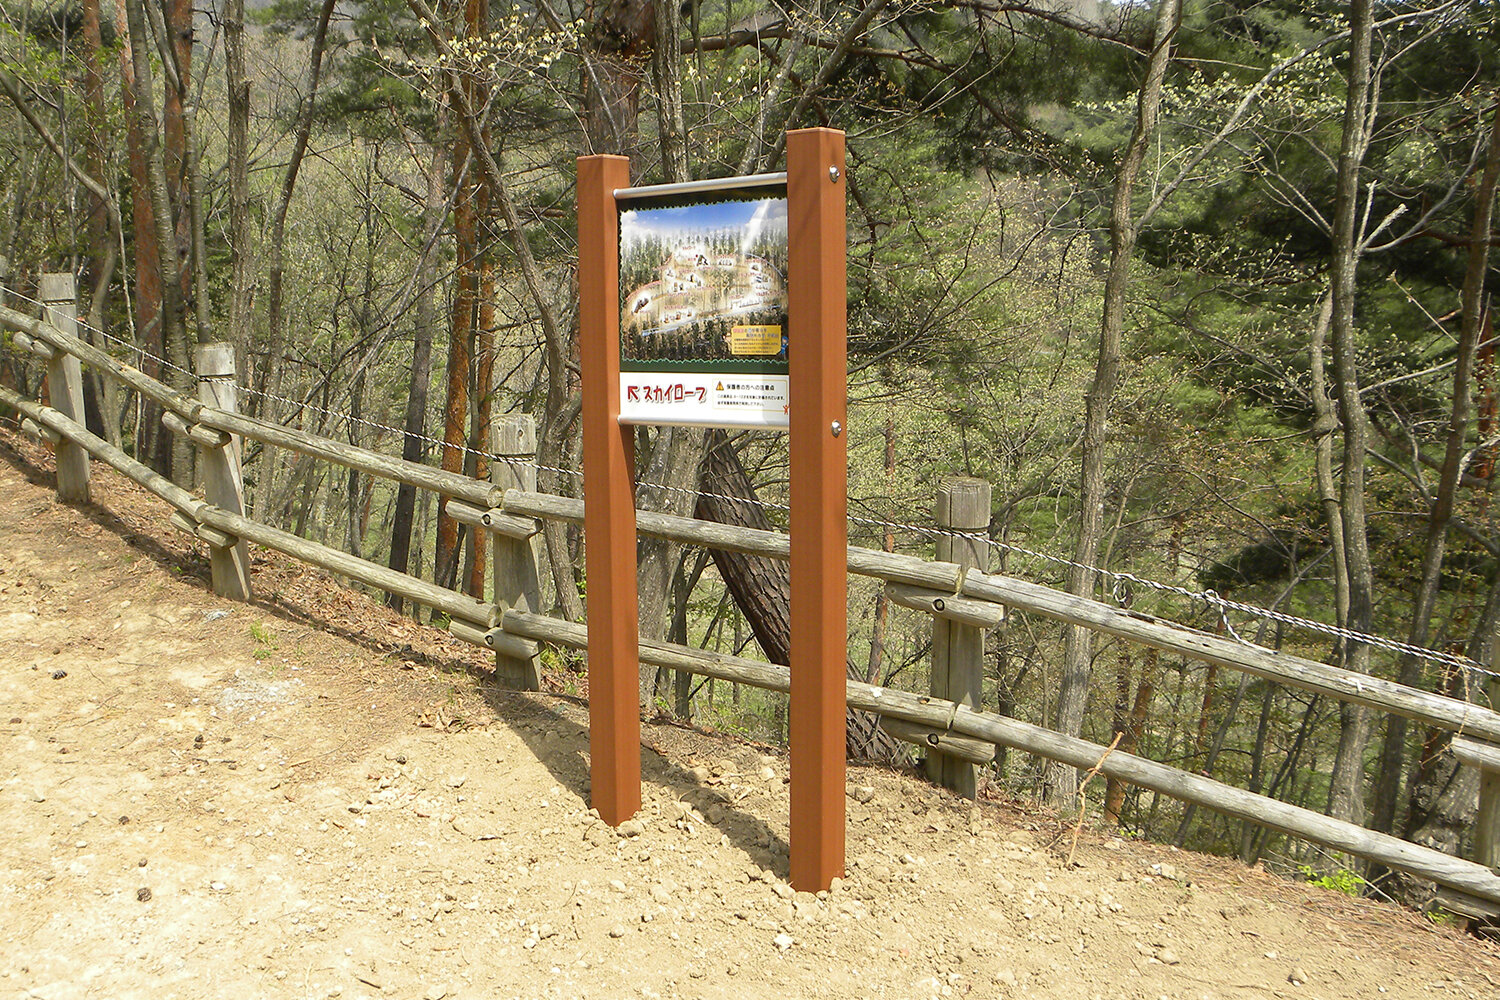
pixel 311 797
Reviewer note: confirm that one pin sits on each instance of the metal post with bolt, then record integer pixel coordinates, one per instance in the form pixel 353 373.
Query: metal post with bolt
pixel 817 395
pixel 609 500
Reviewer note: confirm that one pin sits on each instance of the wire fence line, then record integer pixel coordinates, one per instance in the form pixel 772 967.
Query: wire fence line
pixel 1119 581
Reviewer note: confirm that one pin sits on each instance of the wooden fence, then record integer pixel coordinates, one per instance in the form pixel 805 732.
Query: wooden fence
pixel 955 589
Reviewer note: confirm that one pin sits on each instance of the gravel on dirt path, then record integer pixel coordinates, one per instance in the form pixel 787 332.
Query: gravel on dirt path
pixel 312 797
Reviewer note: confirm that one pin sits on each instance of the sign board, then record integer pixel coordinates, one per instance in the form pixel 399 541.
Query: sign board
pixel 703 309
pixel 685 291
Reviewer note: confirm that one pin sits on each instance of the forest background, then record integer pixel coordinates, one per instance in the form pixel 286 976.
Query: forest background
pixel 1202 289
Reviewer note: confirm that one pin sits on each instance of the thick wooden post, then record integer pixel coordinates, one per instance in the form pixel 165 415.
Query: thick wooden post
pixel 223 484
pixel 1487 821
pixel 609 499
pixel 817 313
pixel 65 384
pixel 963 505
pixel 517 585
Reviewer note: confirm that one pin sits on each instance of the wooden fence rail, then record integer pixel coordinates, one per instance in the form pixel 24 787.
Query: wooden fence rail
pixel 951 591
pixel 945 581
pixel 937 715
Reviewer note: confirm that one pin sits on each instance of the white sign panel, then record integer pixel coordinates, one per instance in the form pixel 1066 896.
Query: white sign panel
pixel 703 399
pixel 703 299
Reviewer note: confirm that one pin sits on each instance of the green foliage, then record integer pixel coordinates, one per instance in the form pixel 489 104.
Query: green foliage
pixel 1342 880
pixel 265 641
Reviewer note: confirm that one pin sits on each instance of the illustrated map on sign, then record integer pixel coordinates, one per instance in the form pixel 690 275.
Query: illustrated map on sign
pixel 704 284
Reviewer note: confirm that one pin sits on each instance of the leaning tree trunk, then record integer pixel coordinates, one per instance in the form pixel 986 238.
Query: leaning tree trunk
pixel 1072 695
pixel 762 588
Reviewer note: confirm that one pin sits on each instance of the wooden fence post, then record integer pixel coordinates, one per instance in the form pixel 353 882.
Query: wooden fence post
pixel 65 384
pixel 517 584
pixel 1487 821
pixel 1484 758
pixel 223 485
pixel 963 505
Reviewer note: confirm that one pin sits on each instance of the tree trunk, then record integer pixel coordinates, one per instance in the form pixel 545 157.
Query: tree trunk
pixel 152 440
pixel 1346 786
pixel 424 313
pixel 761 587
pixel 559 342
pixel 621 34
pixel 668 472
pixel 482 358
pixel 460 357
pixel 353 520
pixel 276 269
pixel 1130 726
pixel 1393 748
pixel 174 334
pixel 1445 794
pixel 484 404
pixel 460 321
pixel 238 171
pixel 670 457
pixel 103 405
pixel 887 544
pixel 1062 780
pixel 1257 766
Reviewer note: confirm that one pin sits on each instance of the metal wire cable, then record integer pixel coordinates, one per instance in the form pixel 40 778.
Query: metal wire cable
pixel 400 432
pixel 1208 598
pixel 136 349
pixel 1120 580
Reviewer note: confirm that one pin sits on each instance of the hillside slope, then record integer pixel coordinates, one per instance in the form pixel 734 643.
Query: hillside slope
pixel 311 797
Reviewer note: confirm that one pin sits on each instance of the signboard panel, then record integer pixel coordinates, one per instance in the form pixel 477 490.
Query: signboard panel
pixel 703 310
pixel 682 316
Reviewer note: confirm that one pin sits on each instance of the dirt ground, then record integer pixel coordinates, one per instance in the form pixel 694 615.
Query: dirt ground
pixel 311 797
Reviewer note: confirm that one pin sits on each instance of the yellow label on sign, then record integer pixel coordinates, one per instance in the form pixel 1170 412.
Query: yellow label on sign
pixel 752 340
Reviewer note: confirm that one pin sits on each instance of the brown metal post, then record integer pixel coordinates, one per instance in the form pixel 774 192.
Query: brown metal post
pixel 609 499
pixel 817 315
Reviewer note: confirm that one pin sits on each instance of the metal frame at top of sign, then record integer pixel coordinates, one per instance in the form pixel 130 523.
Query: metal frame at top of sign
pixel 713 186
pixel 684 359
